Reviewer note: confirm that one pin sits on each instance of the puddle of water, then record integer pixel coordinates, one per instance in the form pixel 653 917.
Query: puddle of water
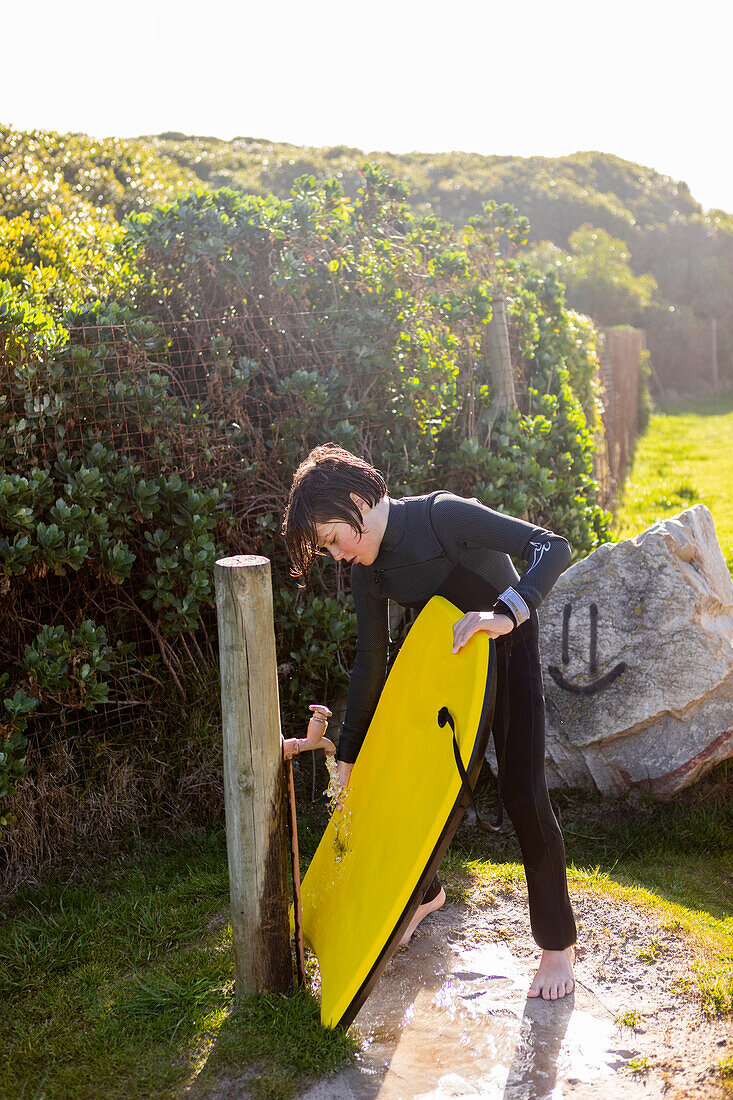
pixel 453 1021
pixel 477 1034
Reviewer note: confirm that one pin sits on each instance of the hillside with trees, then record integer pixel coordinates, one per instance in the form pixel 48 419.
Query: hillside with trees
pixel 688 252
pixel 631 245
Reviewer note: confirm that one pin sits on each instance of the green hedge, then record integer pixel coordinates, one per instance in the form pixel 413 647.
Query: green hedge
pixel 146 434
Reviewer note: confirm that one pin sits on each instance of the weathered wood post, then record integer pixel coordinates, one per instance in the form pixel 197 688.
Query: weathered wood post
pixel 714 354
pixel 254 795
pixel 499 356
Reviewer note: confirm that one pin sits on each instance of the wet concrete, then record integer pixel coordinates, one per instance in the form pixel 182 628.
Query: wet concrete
pixel 450 1018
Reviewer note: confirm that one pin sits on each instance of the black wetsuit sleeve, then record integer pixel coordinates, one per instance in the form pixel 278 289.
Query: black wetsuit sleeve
pixel 370 667
pixel 460 523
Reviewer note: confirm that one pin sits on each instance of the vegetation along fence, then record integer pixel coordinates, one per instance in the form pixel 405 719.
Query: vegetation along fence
pixel 145 440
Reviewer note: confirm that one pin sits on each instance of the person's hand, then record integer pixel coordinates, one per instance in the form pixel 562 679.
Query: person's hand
pixel 344 772
pixel 473 621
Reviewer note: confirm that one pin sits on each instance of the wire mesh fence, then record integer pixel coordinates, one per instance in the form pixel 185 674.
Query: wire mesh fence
pixel 139 452
pixel 144 447
pixel 148 441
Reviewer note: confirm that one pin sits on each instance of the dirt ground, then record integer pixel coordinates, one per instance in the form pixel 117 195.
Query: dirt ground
pixel 450 1016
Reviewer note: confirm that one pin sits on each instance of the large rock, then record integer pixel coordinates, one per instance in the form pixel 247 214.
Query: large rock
pixel 637 660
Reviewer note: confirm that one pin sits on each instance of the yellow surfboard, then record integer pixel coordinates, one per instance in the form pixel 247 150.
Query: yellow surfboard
pixel 379 853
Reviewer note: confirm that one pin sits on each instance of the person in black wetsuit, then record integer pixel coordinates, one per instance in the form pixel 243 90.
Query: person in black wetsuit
pixel 409 550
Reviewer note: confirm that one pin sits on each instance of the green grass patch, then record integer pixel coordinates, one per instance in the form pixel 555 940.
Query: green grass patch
pixel 638 1066
pixel 630 1019
pixel 685 457
pixel 121 984
pixel 281 1037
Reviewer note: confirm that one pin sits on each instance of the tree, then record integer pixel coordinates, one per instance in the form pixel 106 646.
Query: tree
pixel 598 277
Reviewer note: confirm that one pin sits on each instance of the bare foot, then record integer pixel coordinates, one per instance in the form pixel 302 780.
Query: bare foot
pixel 422 911
pixel 554 977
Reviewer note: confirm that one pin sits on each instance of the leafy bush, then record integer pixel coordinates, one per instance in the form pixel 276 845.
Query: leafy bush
pixel 82 186
pixel 149 434
pixel 96 520
pixel 598 276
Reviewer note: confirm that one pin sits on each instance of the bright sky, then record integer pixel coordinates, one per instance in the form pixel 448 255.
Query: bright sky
pixel 646 80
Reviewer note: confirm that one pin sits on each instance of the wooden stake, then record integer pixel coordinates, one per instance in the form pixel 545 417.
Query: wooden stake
pixel 254 795
pixel 714 353
pixel 295 868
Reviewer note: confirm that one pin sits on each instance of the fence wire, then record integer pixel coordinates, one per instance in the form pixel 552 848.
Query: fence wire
pixel 160 408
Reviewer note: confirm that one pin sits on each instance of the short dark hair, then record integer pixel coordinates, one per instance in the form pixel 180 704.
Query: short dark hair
pixel 319 494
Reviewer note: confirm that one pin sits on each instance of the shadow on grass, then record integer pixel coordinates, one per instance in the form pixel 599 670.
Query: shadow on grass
pixel 270 1046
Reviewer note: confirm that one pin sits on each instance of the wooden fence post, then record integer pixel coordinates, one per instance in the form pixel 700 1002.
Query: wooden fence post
pixel 499 356
pixel 254 795
pixel 714 354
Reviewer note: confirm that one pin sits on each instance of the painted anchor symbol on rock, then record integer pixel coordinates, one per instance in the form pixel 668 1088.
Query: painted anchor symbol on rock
pixel 597 685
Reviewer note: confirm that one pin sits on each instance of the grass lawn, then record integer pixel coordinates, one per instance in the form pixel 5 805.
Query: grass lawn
pixel 684 457
pixel 120 981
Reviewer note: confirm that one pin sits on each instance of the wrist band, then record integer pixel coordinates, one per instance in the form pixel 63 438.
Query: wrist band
pixel 516 605
pixel 500 608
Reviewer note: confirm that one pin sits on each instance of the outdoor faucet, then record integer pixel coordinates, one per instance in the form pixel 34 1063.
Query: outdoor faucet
pixel 314 739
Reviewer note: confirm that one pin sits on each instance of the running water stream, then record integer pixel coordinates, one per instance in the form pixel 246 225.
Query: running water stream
pixel 336 796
